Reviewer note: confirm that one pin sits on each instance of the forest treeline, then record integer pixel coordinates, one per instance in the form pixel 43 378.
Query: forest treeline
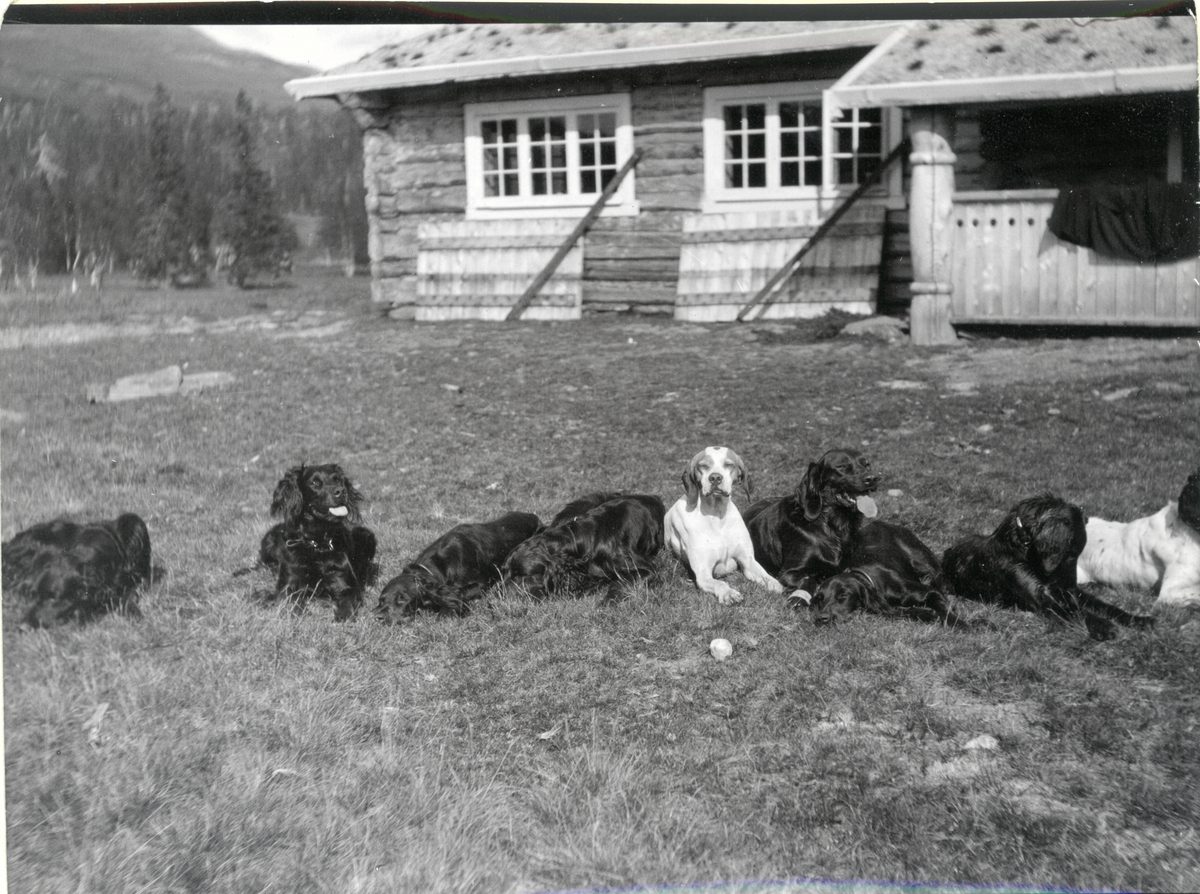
pixel 102 184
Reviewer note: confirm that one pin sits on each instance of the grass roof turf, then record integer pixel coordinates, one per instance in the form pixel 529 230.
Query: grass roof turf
pixel 968 50
pixel 453 44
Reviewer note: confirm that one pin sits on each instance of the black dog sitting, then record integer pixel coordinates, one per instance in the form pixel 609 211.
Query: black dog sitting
pixel 456 568
pixel 888 571
pixel 801 539
pixel 62 571
pixel 613 542
pixel 1028 563
pixel 319 550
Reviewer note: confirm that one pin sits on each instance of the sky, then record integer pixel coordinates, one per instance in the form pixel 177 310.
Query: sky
pixel 318 46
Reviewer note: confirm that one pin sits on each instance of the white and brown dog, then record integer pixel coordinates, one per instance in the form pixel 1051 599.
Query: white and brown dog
pixel 705 530
pixel 1162 549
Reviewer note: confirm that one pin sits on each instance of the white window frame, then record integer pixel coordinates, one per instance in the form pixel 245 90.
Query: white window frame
pixel 720 198
pixel 483 207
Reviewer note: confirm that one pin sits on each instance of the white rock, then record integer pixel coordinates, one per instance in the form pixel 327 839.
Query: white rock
pixel 720 648
pixel 983 743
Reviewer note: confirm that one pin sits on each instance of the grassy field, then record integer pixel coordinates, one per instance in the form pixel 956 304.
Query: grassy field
pixel 574 744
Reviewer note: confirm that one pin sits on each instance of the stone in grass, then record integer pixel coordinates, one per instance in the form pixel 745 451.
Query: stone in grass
pixel 983 743
pixel 888 329
pixel 194 383
pixel 160 382
pixel 152 384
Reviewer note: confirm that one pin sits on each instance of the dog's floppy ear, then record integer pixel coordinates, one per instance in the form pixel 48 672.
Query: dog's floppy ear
pixel 691 479
pixel 1189 501
pixel 135 541
pixel 353 498
pixel 809 491
pixel 288 500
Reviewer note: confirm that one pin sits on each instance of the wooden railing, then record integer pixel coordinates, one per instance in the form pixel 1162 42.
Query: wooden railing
pixel 1007 267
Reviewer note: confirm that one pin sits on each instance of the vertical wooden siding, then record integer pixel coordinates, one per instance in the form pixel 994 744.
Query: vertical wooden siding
pixel 726 258
pixel 1009 268
pixel 478 269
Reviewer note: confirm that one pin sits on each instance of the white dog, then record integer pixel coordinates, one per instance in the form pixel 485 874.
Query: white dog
pixel 1161 549
pixel 705 530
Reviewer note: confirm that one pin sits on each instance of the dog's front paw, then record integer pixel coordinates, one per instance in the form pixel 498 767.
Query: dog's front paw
pixel 726 595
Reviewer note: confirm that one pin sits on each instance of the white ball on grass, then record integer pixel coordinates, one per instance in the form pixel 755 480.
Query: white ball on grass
pixel 720 648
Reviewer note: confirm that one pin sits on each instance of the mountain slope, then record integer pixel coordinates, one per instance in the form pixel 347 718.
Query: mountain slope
pixel 75 63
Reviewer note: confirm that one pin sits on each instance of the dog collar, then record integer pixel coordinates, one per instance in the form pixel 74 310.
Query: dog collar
pixel 860 573
pixel 326 547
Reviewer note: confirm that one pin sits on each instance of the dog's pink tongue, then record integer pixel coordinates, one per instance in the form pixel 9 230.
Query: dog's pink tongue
pixel 339 511
pixel 866 506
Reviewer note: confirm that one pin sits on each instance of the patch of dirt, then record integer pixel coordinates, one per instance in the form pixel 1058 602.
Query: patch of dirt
pixel 976 364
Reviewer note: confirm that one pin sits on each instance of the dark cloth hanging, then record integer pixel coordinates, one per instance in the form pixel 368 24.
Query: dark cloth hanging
pixel 1151 222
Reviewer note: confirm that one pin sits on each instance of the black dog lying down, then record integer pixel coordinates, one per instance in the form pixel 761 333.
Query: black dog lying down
pixel 614 542
pixel 456 568
pixel 1028 563
pixel 319 550
pixel 888 571
pixel 801 539
pixel 62 571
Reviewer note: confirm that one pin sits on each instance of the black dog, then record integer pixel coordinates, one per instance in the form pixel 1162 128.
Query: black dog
pixel 801 539
pixel 888 571
pixel 62 571
pixel 1028 563
pixel 456 568
pixel 614 542
pixel 581 505
pixel 319 550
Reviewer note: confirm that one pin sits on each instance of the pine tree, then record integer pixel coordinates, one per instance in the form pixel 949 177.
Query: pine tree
pixel 250 223
pixel 163 241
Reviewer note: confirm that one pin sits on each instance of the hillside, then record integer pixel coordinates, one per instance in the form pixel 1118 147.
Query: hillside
pixel 73 63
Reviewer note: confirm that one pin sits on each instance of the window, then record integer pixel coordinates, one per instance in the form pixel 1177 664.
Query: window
pixel 858 145
pixel 770 142
pixel 537 158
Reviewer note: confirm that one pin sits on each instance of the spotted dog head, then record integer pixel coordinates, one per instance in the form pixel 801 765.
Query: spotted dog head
pixel 712 474
pixel 316 492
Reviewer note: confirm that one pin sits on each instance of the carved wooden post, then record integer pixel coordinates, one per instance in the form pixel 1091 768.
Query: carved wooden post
pixel 929 214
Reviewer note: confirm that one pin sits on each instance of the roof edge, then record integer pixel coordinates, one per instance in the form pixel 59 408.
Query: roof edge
pixel 358 82
pixel 1110 82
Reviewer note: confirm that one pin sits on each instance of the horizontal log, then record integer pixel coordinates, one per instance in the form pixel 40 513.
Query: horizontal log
pixel 668 204
pixel 668 127
pixel 426 175
pixel 610 293
pixel 447 201
pixel 658 166
pixel 393 269
pixel 626 275
pixel 634 245
pixel 646 222
pixel 651 254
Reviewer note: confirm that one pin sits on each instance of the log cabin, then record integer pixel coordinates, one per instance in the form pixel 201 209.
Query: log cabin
pixel 678 168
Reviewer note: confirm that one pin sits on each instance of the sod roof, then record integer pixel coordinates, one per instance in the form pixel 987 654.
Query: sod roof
pixel 454 44
pixel 996 48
